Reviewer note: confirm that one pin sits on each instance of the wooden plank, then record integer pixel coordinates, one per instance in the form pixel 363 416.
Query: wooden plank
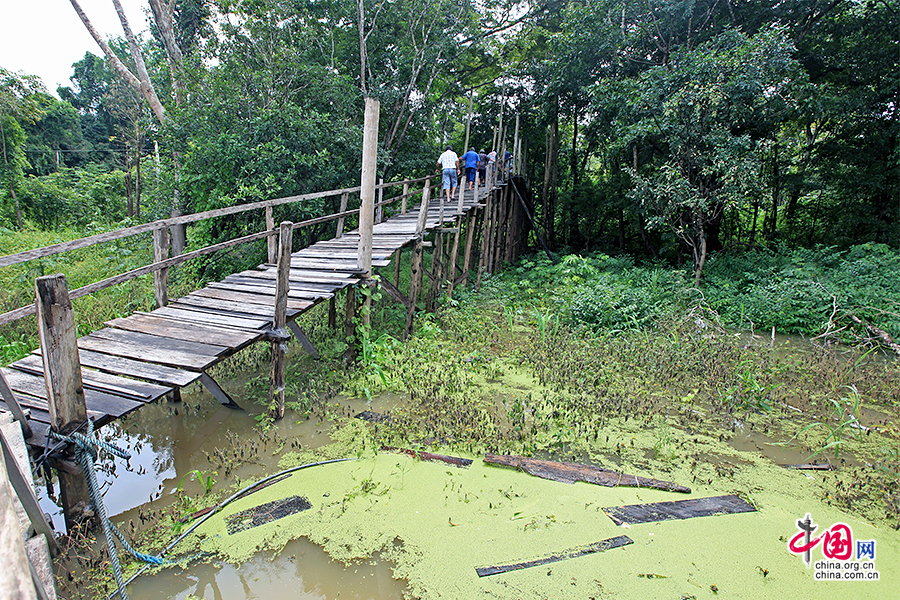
pixel 269 284
pixel 235 308
pixel 161 343
pixel 568 472
pixel 118 365
pixel 31 391
pixel 217 336
pixel 250 298
pixel 104 382
pixel 678 509
pixel 601 546
pixel 171 358
pixel 338 279
pixel 193 315
pixel 269 290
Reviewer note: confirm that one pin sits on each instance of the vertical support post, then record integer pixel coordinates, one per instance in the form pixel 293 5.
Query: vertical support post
pixel 349 324
pixel 471 231
pixel 415 284
pixel 62 375
pixel 379 216
pixel 161 277
pixel 403 200
pixel 279 320
pixel 271 241
pixel 451 276
pixel 367 186
pixel 502 228
pixel 397 267
pixel 477 183
pixel 462 192
pixel 332 312
pixel 437 261
pixel 340 224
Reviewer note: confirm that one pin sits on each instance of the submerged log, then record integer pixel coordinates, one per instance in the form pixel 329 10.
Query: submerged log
pixel 452 460
pixel 568 472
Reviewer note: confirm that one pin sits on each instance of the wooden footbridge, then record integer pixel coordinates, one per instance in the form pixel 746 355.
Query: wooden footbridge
pixel 148 355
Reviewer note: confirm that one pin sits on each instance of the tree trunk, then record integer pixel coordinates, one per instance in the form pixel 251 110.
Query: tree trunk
pixel 12 191
pixel 573 160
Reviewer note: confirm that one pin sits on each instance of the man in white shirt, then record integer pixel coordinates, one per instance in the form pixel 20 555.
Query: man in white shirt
pixel 449 162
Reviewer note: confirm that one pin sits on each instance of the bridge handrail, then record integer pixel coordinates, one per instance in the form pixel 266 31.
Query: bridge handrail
pixel 25 256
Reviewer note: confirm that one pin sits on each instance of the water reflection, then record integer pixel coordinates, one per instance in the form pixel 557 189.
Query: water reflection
pixel 301 571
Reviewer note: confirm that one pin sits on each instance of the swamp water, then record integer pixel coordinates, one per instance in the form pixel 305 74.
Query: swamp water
pixel 434 523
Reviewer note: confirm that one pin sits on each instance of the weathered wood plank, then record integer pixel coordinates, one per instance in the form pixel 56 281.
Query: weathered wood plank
pixel 193 315
pixel 568 472
pixel 269 284
pixel 249 298
pixel 104 382
pixel 118 365
pixel 269 291
pixel 162 343
pixel 179 330
pixel 678 509
pixel 226 306
pixel 31 391
pixel 601 546
pixel 170 358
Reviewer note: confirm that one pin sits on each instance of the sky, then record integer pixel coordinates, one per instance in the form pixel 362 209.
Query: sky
pixel 44 37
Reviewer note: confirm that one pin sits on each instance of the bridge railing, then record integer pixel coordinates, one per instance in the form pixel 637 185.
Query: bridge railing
pixel 160 265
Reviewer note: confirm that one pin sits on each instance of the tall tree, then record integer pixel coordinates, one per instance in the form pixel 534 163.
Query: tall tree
pixel 19 103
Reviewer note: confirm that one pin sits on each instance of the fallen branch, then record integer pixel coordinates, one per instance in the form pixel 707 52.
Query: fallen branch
pixel 452 460
pixel 883 335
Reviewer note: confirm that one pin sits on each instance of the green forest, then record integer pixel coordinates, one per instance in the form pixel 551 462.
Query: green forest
pixel 671 130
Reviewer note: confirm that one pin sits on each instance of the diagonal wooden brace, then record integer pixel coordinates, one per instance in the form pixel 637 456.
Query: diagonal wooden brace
pixel 219 394
pixel 304 341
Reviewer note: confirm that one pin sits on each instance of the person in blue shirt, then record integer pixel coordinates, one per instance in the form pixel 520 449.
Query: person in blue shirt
pixel 471 160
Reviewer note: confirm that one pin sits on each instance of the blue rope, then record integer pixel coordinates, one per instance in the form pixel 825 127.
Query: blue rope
pixel 86 452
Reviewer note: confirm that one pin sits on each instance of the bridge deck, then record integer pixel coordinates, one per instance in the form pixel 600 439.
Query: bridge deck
pixel 143 357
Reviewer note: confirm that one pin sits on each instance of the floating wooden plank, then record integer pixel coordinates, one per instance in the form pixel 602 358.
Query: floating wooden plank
pixel 602 546
pixel 825 466
pixel 678 509
pixel 162 343
pixel 568 472
pixel 193 315
pixel 171 358
pixel 31 391
pixel 104 382
pixel 418 454
pixel 266 513
pixel 179 330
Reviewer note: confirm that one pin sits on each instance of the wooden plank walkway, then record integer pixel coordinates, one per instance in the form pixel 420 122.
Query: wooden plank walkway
pixel 143 357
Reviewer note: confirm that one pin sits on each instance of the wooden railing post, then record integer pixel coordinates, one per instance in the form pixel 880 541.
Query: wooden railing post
pixel 271 242
pixel 62 376
pixel 279 320
pixel 379 217
pixel 367 186
pixel 405 196
pixel 161 277
pixel 340 224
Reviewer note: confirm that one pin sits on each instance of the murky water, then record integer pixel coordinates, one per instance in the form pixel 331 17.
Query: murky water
pixel 171 445
pixel 301 571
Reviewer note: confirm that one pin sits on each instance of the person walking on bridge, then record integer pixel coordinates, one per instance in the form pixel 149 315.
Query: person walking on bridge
pixel 449 162
pixel 471 163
